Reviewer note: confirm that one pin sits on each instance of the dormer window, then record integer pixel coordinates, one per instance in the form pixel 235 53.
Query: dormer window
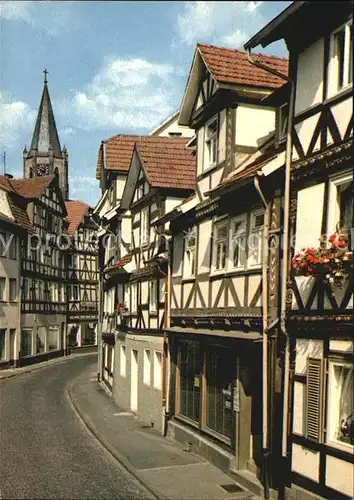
pixel 211 143
pixel 341 59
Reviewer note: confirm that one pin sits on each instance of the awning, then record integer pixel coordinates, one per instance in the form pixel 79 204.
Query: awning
pixel 235 334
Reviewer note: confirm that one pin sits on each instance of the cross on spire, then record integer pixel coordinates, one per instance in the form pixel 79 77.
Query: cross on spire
pixel 45 76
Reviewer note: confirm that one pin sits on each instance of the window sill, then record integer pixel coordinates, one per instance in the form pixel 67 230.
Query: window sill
pixel 188 279
pixel 346 448
pixel 153 313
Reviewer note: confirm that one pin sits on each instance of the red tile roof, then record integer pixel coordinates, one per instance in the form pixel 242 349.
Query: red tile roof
pixel 167 162
pixel 232 66
pixel 17 203
pixel 32 188
pixel 76 212
pixel 118 152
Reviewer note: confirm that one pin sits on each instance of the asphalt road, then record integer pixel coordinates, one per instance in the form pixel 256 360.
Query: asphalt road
pixel 45 449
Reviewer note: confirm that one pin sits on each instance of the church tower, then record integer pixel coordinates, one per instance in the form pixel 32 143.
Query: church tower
pixel 45 156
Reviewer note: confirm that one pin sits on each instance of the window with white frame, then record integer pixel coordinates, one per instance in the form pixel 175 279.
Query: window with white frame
pixel 123 361
pixel 147 367
pixel 340 206
pixel 211 143
pixel 153 296
pixel 134 296
pixel 255 238
pixel 340 416
pixel 157 369
pixel 190 248
pixel 220 245
pixel 341 59
pixel 144 226
pixel 237 247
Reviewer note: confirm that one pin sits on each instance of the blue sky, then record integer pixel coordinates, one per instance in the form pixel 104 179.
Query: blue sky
pixel 114 67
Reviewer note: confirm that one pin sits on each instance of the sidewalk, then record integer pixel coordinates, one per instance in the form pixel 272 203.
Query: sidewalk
pixel 161 465
pixel 12 372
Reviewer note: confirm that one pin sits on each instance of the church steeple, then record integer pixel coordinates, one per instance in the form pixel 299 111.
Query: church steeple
pixel 45 155
pixel 45 136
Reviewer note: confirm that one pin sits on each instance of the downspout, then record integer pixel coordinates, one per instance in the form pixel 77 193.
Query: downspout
pixel 265 269
pixel 284 275
pixel 164 351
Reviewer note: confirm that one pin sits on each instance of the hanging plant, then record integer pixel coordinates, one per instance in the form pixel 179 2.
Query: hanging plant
pixel 332 263
pixel 121 308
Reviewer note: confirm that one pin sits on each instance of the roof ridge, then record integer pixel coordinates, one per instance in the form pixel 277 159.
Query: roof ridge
pixel 230 49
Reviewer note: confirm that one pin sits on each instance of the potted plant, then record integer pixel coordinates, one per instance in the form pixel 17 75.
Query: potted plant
pixel 332 262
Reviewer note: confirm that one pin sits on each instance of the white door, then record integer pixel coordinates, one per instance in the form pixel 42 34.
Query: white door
pixel 134 381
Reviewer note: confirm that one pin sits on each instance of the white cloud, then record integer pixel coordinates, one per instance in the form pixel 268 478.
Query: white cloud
pixel 125 93
pixel 53 17
pixel 220 23
pixel 17 118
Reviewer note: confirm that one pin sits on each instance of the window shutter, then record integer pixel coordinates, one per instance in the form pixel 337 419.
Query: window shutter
pixel 314 398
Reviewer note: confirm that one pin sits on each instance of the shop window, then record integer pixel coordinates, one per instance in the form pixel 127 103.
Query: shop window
pixel 26 343
pixel 220 379
pixel 340 417
pixel 189 383
pixel 53 338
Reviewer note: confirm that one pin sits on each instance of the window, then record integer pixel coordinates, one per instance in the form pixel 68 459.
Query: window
pixel 25 289
pixel 340 418
pixel 190 246
pixel 237 256
pixel 53 338
pixel 314 399
pixel 157 369
pixel 13 247
pixel 341 63
pixel 2 244
pixel 189 380
pixel 144 226
pixel 282 113
pixel 255 239
pixel 220 245
pixel 340 206
pixel 134 296
pixel 211 143
pixel 2 344
pixel 153 296
pixel 147 367
pixel 140 191
pixel 26 343
pixel 76 292
pixel 13 290
pixel 123 360
pixel 2 289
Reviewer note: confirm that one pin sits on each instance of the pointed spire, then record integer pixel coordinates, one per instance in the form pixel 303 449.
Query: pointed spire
pixel 45 134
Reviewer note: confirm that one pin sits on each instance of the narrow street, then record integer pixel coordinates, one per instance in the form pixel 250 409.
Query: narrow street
pixel 45 449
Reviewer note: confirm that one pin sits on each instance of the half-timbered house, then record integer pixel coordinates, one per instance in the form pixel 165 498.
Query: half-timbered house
pixel 14 224
pixel 82 268
pixel 215 337
pixel 319 432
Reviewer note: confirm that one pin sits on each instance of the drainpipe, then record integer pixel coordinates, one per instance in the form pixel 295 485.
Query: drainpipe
pixel 265 269
pixel 167 281
pixel 284 275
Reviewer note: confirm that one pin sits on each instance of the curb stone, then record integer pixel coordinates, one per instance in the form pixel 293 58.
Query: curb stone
pixel 127 466
pixel 40 366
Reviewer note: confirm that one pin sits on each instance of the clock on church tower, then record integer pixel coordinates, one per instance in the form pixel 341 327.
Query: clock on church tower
pixel 42 169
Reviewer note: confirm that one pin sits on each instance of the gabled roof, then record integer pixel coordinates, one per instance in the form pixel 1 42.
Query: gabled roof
pixel 76 212
pixel 231 69
pixel 167 162
pixel 45 135
pixel 232 66
pixel 115 153
pixel 17 204
pixel 32 188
